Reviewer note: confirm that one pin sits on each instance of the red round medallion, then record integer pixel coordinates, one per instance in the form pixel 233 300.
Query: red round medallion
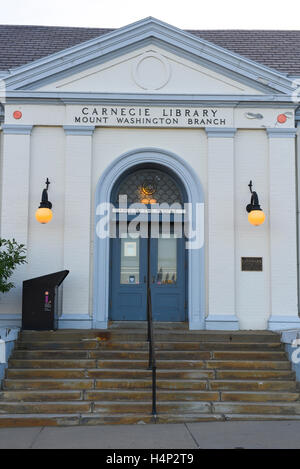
pixel 17 114
pixel 281 118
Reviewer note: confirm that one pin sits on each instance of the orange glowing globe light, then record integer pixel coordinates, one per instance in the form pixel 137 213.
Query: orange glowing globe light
pixel 44 212
pixel 256 217
pixel 255 214
pixel 43 215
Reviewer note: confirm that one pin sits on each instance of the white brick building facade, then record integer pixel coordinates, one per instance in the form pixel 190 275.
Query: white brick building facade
pixel 238 138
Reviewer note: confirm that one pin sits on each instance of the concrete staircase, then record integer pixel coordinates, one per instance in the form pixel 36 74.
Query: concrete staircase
pixel 101 377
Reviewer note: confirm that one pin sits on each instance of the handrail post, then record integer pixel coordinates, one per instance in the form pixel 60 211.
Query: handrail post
pixel 154 412
pixel 152 360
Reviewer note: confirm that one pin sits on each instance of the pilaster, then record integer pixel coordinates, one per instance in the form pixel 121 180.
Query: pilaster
pixel 283 233
pixel 77 227
pixel 221 230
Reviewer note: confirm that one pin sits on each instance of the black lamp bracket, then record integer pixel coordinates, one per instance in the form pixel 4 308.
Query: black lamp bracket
pixel 254 203
pixel 45 202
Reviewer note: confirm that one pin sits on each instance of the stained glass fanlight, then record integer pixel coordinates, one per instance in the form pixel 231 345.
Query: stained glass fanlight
pixel 150 186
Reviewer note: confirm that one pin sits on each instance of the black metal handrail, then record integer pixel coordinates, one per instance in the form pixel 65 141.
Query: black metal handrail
pixel 152 358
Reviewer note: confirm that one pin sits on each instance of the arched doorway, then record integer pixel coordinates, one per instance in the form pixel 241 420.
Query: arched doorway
pixel 149 248
pixel 172 163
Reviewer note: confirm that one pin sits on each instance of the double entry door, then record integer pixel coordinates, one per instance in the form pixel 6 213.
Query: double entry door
pixel 130 277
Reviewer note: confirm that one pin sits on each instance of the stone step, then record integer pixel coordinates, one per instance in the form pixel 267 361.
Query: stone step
pixel 195 364
pixel 115 395
pixel 143 325
pixel 190 355
pixel 45 407
pixel 146 395
pixel 49 384
pixel 114 355
pixel 139 418
pixel 40 396
pixel 191 346
pixel 275 408
pixel 248 364
pixel 255 374
pixel 161 374
pixel 190 418
pixel 248 385
pixel 38 420
pixel 108 407
pixel 142 383
pixel 160 335
pixel 235 396
pixel 144 346
pixel 43 420
pixel 253 355
pixel 254 364
pixel 104 364
pixel 200 407
pixel 19 363
pixel 160 355
pixel 46 345
pixel 147 384
pixel 50 354
pixel 14 373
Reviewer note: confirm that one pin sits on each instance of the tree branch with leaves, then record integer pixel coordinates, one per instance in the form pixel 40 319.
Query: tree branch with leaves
pixel 12 254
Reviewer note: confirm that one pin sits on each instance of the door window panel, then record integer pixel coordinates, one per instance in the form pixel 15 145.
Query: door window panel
pixel 130 261
pixel 167 261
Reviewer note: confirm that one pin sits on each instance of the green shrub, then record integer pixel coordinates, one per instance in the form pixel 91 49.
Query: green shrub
pixel 12 254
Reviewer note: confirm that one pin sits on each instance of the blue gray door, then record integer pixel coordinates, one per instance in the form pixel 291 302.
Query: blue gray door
pixel 148 187
pixel 129 260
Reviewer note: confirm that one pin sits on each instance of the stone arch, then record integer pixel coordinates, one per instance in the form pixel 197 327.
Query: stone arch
pixel 196 267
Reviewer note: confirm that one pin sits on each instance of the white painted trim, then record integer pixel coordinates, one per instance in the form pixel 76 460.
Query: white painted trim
pixel 100 325
pixel 218 322
pixel 277 323
pixel 72 324
pixel 78 130
pixel 10 320
pixel 75 321
pixel 281 133
pixel 225 132
pixel 17 129
pixel 84 97
pixel 196 268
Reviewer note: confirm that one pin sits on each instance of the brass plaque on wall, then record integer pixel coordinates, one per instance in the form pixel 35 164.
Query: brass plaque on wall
pixel 252 264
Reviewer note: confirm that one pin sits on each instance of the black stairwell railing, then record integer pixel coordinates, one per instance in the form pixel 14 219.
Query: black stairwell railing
pixel 152 358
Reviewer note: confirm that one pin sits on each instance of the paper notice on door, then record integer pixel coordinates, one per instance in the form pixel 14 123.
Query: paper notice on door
pixel 130 249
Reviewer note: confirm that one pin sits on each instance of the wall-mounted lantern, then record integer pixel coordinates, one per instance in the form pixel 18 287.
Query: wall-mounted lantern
pixel 44 212
pixel 256 216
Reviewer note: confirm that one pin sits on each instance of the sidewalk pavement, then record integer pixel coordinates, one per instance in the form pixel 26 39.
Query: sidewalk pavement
pixel 214 435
